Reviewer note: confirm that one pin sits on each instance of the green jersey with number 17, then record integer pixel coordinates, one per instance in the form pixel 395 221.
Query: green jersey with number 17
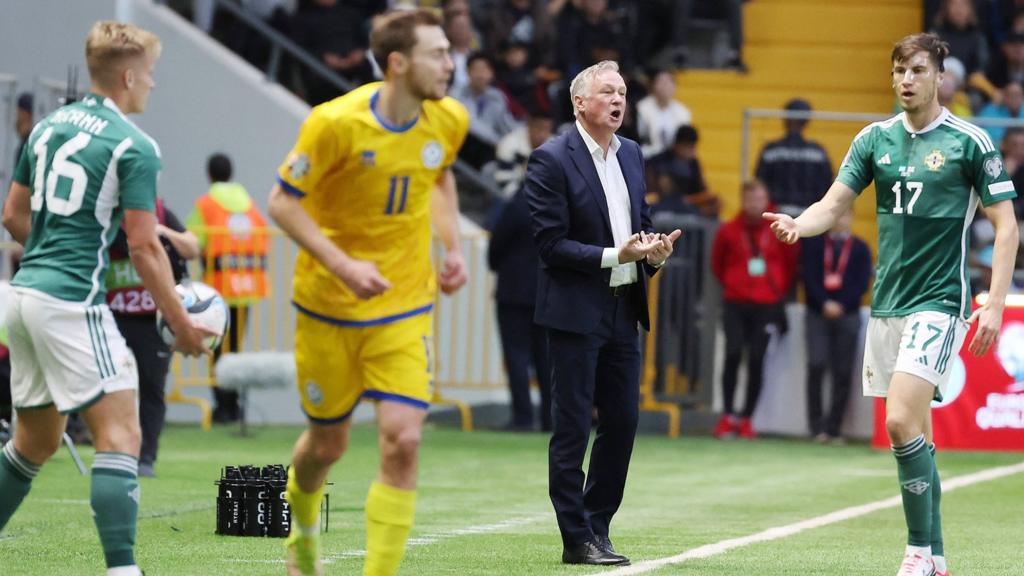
pixel 928 184
pixel 85 164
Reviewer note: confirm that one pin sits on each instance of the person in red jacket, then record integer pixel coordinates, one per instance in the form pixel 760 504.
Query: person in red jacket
pixel 756 272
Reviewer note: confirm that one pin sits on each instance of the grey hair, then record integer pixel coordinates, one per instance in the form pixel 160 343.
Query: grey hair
pixel 581 83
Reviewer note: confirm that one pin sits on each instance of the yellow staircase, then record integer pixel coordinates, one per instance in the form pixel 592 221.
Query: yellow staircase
pixel 833 53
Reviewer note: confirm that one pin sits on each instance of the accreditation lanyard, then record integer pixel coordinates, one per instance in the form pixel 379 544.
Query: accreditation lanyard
pixel 834 276
pixel 756 265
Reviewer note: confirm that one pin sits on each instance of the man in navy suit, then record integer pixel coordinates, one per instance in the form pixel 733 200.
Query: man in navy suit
pixel 593 232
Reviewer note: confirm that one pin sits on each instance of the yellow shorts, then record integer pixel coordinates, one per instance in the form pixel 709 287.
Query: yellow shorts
pixel 337 366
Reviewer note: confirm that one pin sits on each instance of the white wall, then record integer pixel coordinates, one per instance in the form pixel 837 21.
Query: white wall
pixel 206 99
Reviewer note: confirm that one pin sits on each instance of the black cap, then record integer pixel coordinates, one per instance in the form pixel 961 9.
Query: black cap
pixel 25 101
pixel 798 104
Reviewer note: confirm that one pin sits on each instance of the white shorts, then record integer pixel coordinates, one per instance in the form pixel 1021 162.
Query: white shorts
pixel 64 353
pixel 922 344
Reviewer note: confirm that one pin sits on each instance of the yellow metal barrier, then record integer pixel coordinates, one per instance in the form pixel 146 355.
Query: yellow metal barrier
pixel 648 402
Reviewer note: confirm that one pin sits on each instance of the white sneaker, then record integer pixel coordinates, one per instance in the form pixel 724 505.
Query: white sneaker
pixel 917 562
pixel 940 566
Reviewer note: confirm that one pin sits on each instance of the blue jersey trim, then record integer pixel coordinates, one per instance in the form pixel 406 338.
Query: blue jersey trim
pixel 290 189
pixel 383 122
pixel 378 395
pixel 329 421
pixel 363 323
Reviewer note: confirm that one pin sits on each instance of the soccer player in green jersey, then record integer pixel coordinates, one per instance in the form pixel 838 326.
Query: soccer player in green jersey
pixel 931 170
pixel 85 168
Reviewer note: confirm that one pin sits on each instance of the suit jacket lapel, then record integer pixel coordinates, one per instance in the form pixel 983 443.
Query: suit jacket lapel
pixel 585 164
pixel 632 186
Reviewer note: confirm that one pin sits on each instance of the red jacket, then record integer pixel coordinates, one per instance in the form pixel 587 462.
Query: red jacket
pixel 731 254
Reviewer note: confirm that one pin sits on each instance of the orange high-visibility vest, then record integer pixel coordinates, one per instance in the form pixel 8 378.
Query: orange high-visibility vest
pixel 235 255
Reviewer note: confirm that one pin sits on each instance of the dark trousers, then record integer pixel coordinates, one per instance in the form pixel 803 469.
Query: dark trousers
pixel 746 331
pixel 602 370
pixel 831 345
pixel 525 344
pixel 153 357
pixel 225 402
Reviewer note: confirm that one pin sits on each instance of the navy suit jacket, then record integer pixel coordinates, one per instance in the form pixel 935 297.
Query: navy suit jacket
pixel 571 229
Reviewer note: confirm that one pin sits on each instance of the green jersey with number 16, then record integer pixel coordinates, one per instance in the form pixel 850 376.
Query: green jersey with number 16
pixel 928 184
pixel 85 164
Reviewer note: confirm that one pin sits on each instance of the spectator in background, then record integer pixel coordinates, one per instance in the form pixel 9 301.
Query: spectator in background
pixel 794 169
pixel 957 24
pixel 676 178
pixel 1010 68
pixel 581 31
pixel 23 121
pixel 951 94
pixel 134 311
pixel 1011 108
pixel 756 272
pixel 515 148
pixel 836 270
pixel 512 255
pixel 659 115
pixel 232 235
pixel 489 116
pixel 464 42
pixel 335 33
pixel 517 80
pixel 1013 160
pixel 524 22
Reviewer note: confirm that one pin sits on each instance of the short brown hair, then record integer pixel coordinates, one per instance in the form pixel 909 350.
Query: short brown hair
pixel 395 31
pixel 936 47
pixel 110 44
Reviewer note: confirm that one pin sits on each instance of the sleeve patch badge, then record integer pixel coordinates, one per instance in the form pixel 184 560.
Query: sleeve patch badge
pixel 994 166
pixel 298 166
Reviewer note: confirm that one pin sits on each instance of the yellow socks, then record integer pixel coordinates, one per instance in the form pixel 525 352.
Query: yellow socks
pixel 305 506
pixel 389 513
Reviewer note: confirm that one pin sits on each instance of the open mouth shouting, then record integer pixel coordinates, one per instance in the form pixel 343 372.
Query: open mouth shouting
pixel 616 114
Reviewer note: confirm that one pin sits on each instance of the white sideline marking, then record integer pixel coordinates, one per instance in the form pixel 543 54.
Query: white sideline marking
pixel 436 537
pixel 423 540
pixel 779 532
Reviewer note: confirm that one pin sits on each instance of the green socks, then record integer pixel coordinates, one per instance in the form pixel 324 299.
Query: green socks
pixel 916 469
pixel 936 501
pixel 115 505
pixel 16 474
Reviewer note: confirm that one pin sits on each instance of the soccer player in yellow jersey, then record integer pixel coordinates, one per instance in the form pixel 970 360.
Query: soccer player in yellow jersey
pixel 358 192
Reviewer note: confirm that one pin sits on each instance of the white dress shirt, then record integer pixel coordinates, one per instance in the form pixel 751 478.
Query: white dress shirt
pixel 617 195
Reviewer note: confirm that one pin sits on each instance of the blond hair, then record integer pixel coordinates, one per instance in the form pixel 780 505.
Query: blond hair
pixel 111 45
pixel 395 31
pixel 581 83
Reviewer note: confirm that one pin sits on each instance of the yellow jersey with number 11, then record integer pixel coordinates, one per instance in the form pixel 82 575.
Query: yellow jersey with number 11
pixel 368 186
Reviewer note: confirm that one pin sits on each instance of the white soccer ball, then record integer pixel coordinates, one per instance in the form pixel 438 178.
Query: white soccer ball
pixel 205 306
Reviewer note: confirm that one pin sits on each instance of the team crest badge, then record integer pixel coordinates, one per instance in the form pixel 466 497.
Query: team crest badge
pixel 298 166
pixel 367 158
pixel 432 154
pixel 994 166
pixel 935 160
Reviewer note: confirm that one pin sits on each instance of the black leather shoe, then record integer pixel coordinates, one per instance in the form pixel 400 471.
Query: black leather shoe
pixel 604 543
pixel 591 553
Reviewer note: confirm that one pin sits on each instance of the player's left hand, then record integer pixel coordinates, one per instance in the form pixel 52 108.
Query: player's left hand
pixel 989 321
pixel 453 273
pixel 660 246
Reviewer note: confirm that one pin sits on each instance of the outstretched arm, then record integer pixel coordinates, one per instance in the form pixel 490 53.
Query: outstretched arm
pixel 817 219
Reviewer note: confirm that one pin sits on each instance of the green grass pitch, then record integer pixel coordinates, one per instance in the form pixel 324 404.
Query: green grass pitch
pixel 483 509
